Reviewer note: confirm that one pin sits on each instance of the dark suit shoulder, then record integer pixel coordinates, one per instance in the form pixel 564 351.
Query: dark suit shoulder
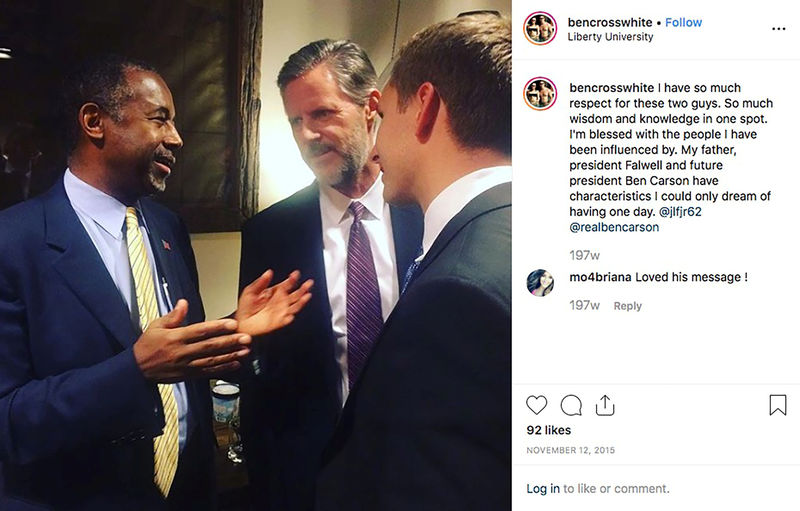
pixel 480 253
pixel 283 237
pixel 22 227
pixel 21 217
pixel 20 237
pixel 284 212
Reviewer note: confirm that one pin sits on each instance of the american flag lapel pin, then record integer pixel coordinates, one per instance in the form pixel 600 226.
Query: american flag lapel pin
pixel 166 245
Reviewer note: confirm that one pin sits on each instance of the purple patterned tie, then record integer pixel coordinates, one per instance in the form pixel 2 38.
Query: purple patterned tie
pixel 364 319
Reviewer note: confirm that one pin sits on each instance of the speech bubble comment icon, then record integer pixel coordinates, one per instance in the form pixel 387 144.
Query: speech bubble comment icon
pixel 536 403
pixel 571 405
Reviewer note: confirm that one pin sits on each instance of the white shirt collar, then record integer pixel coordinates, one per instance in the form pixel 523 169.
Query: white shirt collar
pixel 105 210
pixel 333 204
pixel 452 199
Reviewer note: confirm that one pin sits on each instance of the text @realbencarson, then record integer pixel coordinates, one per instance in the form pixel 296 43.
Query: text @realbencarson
pixel 644 156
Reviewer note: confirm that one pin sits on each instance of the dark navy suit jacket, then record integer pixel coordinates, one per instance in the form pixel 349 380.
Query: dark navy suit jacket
pixel 427 427
pixel 77 417
pixel 290 410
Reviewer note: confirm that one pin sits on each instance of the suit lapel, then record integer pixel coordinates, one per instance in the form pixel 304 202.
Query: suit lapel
pixel 162 244
pixel 310 249
pixel 76 259
pixel 167 251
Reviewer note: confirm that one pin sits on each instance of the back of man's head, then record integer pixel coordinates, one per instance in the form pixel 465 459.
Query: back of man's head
pixel 100 80
pixel 468 61
pixel 347 61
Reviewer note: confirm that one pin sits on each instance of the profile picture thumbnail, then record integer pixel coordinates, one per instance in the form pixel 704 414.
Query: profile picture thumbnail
pixel 540 93
pixel 540 283
pixel 540 28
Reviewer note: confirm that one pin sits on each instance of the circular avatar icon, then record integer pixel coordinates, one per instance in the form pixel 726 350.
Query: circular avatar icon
pixel 540 283
pixel 540 93
pixel 540 28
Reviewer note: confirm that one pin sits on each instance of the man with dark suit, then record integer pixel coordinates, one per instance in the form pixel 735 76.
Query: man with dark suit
pixel 303 374
pixel 427 426
pixel 104 404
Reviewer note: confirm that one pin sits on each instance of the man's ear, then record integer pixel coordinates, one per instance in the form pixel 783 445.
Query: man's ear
pixel 372 108
pixel 92 121
pixel 429 105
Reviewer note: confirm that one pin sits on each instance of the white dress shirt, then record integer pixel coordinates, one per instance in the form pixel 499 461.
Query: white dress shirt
pixel 458 194
pixel 336 222
pixel 103 218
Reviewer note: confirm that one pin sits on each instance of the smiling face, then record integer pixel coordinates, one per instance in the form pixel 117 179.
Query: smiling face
pixel 140 145
pixel 545 280
pixel 329 128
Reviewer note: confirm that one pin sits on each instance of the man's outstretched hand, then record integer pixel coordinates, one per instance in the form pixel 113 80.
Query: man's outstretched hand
pixel 167 352
pixel 264 308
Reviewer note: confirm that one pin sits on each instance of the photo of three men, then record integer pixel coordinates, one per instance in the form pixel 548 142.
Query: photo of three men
pixel 371 340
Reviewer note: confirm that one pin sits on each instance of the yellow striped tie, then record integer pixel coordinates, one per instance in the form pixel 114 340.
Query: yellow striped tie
pixel 165 446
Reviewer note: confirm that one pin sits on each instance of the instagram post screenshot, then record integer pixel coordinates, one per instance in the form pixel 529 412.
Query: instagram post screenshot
pixel 261 255
pixel 655 181
pixel 256 255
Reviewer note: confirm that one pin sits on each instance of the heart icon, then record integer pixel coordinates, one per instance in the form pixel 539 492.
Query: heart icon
pixel 536 403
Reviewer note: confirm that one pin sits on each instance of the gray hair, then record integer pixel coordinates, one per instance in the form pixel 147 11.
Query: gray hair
pixel 348 62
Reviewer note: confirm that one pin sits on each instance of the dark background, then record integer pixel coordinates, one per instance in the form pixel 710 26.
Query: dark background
pixel 196 47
